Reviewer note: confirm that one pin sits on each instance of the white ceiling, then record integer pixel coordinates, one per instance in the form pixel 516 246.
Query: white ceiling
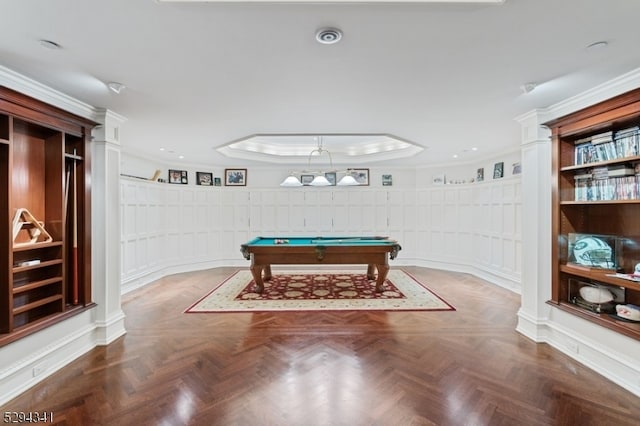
pixel 198 76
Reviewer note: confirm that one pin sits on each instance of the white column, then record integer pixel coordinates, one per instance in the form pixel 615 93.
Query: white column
pixel 536 226
pixel 105 228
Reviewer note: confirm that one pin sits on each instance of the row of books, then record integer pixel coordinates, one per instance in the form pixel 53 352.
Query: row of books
pixel 608 146
pixel 613 188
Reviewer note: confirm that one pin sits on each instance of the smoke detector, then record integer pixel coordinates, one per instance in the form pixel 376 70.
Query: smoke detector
pixel 328 35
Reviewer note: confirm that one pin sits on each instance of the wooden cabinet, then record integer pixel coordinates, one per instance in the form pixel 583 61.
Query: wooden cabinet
pixel 596 186
pixel 45 243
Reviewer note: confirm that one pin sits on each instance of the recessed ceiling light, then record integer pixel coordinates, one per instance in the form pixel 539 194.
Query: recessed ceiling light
pixel 115 87
pixel 328 35
pixel 50 44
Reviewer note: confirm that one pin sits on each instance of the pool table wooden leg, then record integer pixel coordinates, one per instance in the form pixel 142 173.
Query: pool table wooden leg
pixel 382 276
pixel 267 273
pixel 256 271
pixel 260 277
pixel 371 271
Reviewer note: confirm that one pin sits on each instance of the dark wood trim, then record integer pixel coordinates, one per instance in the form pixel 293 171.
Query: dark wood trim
pixel 43 323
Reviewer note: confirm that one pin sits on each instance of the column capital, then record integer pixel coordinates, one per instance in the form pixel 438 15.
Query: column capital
pixel 532 128
pixel 109 128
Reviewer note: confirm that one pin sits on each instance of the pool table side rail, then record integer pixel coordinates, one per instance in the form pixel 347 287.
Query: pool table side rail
pixel 294 254
pixel 313 241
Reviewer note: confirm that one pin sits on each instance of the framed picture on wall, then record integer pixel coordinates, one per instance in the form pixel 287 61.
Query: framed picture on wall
pixel 204 178
pixel 217 181
pixel 480 174
pixel 498 170
pixel 360 175
pixel 517 168
pixel 331 177
pixel 387 180
pixel 178 176
pixel 235 177
pixel 440 179
pixel 306 179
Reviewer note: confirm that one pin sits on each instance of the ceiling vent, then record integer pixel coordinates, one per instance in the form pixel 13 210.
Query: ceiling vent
pixel 329 35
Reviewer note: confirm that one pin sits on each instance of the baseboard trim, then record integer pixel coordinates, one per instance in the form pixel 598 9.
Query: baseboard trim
pixel 64 348
pixel 584 348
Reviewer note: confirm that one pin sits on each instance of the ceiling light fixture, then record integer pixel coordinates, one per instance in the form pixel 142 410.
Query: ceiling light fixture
pixel 116 87
pixel 328 35
pixel 319 175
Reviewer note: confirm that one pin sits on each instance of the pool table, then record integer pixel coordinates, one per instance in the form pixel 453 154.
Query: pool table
pixel 372 251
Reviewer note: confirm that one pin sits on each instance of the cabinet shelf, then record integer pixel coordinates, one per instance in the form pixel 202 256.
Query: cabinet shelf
pixel 36 246
pixel 586 203
pixel 600 276
pixel 44 264
pixel 36 284
pixel 36 304
pixel 577 167
pixel 630 329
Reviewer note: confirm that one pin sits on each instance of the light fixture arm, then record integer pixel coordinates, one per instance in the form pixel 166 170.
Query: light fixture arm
pixel 320 150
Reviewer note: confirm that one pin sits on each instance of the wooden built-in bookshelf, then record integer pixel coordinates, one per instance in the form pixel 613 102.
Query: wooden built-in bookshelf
pixel 596 191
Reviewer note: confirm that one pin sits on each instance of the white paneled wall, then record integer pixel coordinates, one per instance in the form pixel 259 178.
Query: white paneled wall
pixel 474 228
pixel 173 228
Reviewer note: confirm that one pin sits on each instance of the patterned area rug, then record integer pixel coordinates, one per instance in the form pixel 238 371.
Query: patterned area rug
pixel 316 291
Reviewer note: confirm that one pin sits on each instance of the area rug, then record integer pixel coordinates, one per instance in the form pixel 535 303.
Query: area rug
pixel 317 291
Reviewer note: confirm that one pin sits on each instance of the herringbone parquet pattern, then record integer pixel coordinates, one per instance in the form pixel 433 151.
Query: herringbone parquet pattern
pixel 468 367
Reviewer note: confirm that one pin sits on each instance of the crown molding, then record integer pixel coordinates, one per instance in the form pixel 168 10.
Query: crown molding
pixel 30 87
pixel 602 92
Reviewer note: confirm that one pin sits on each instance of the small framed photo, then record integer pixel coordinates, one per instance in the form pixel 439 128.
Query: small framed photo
pixel 235 177
pixel 204 178
pixel 178 176
pixel 331 177
pixel 217 181
pixel 306 179
pixel 498 170
pixel 517 168
pixel 387 180
pixel 360 175
pixel 480 174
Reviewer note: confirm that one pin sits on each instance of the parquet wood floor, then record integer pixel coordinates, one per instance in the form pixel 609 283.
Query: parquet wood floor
pixel 468 367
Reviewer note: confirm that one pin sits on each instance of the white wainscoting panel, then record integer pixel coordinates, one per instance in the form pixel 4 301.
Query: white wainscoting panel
pixel 168 228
